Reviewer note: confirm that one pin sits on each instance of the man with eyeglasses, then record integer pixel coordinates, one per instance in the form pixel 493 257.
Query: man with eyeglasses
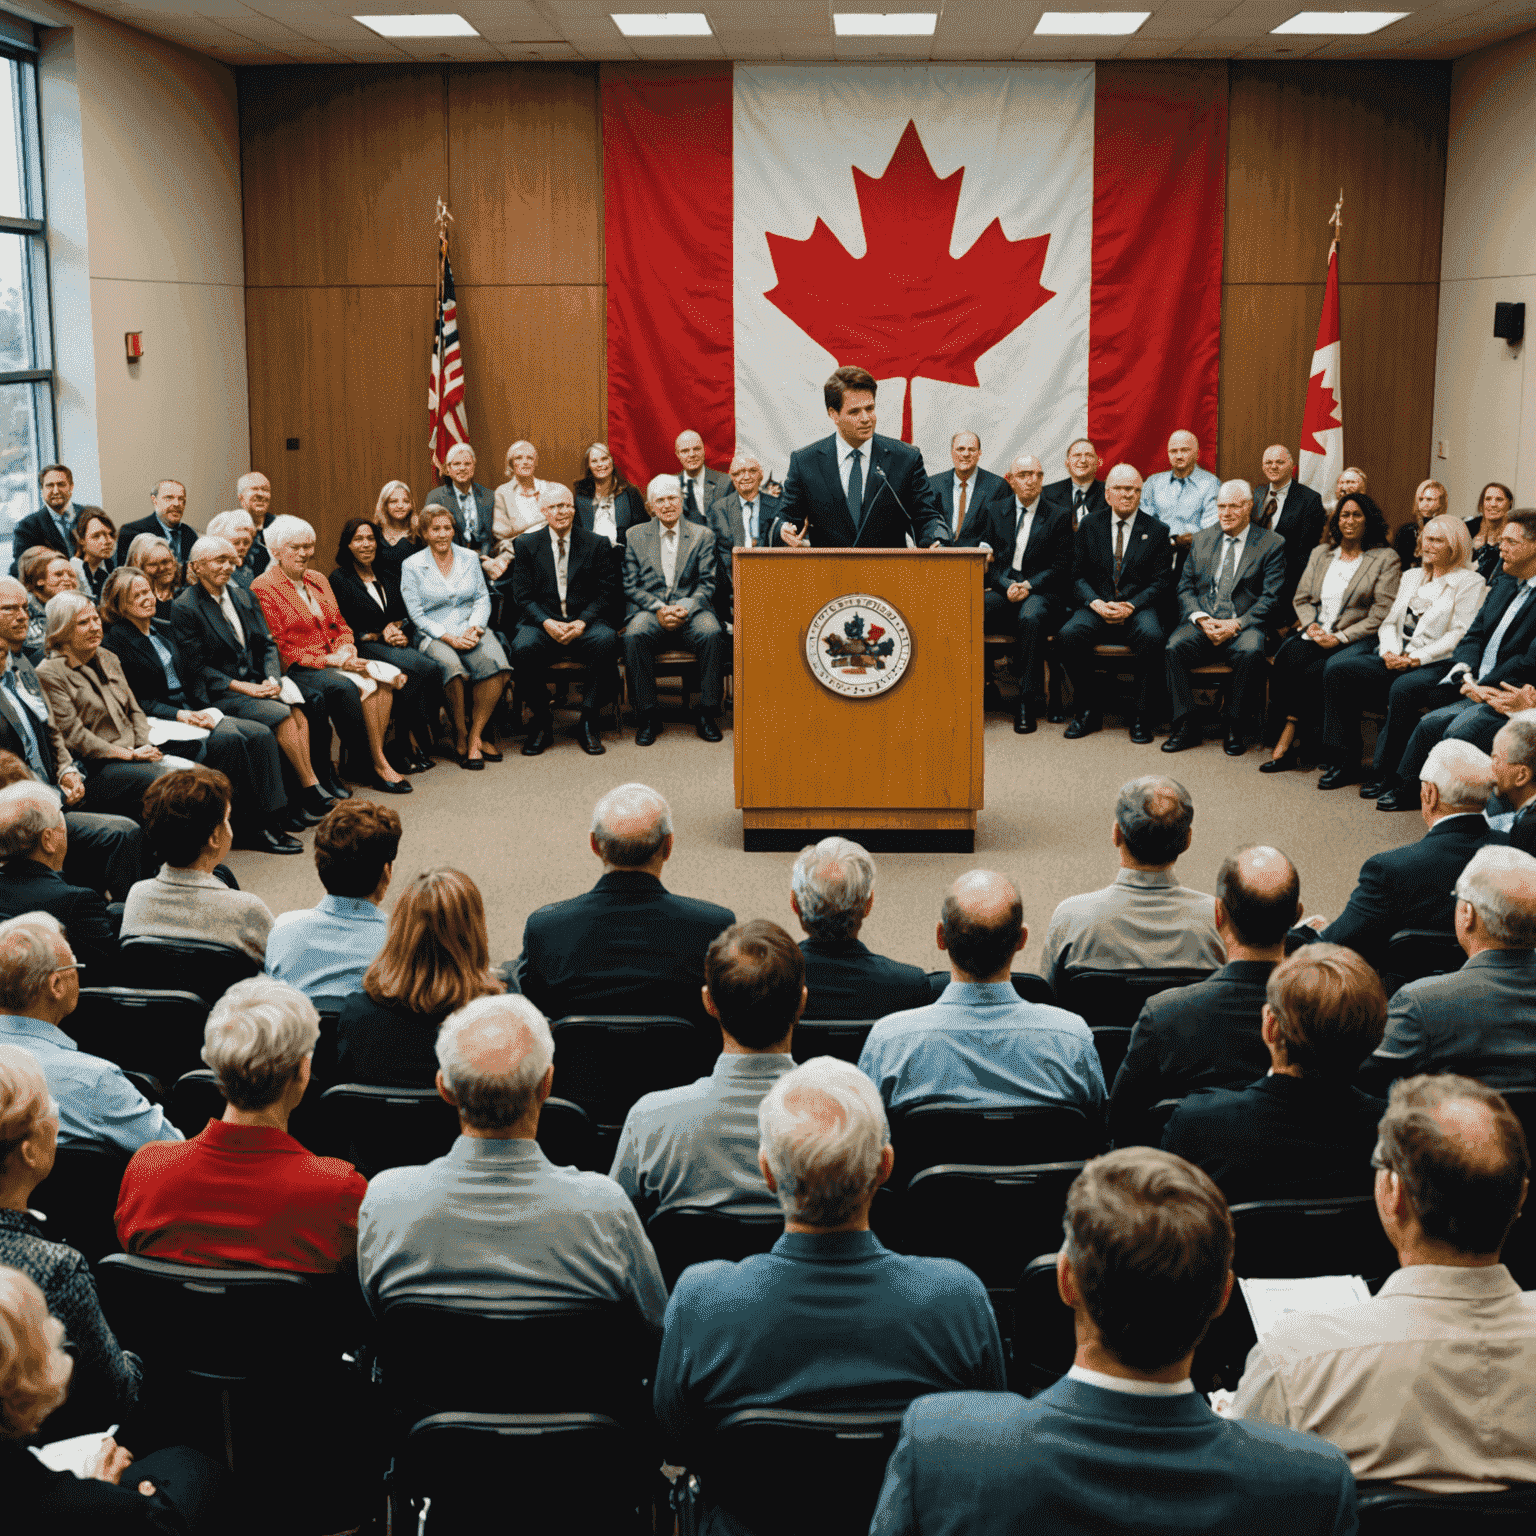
pixel 1432 1383
pixel 39 988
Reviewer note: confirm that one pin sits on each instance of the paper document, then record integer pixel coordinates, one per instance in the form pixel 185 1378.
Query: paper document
pixel 162 731
pixel 1270 1300
pixel 76 1454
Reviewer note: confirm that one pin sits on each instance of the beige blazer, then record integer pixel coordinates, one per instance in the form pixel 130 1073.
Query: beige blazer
pixel 1443 624
pixel 93 706
pixel 510 514
pixel 1367 598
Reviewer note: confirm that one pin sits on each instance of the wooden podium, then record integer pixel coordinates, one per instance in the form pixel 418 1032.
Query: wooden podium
pixel 899 771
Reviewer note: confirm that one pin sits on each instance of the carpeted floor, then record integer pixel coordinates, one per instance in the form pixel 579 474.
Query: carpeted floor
pixel 520 829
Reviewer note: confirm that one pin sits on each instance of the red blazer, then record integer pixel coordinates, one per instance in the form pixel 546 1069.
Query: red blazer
pixel 302 640
pixel 240 1195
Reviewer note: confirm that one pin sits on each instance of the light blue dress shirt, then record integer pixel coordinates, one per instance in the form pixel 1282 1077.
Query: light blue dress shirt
pixel 96 1102
pixel 1186 505
pixel 325 951
pixel 982 1046
pixel 1496 639
pixel 440 605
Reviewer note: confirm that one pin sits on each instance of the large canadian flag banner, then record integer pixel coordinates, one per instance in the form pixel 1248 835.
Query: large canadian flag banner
pixel 1029 252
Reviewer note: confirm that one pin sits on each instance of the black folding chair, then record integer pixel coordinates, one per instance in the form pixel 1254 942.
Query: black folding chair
pixel 1114 998
pixel 1388 1510
pixel 1111 1041
pixel 146 1029
pixel 1031 987
pixel 842 1038
pixel 1146 1129
pixel 1414 953
pixel 930 1134
pixel 1520 1247
pixel 195 1100
pixel 684 1236
pixel 198 965
pixel 79 1197
pixel 1044 1331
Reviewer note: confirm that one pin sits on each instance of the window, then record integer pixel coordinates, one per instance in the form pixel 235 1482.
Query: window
pixel 27 430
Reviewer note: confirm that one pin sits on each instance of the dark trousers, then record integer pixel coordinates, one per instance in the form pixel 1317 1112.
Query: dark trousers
pixel 117 788
pixel 1244 653
pixel 1029 622
pixel 1461 721
pixel 1354 680
pixel 247 754
pixel 1296 684
pixel 701 634
pixel 194 1486
pixel 418 704
pixel 534 650
pixel 1410 694
pixel 1075 641
pixel 332 698
pixel 106 853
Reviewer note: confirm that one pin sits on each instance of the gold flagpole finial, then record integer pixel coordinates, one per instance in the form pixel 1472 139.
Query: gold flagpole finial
pixel 442 220
pixel 1337 221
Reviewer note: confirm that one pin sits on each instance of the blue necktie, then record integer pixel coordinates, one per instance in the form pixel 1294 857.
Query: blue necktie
pixel 856 488
pixel 1496 639
pixel 28 730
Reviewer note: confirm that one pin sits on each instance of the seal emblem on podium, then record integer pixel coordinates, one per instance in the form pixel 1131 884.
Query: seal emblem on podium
pixel 858 646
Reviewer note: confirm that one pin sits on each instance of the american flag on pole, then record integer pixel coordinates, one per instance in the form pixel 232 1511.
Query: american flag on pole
pixel 448 421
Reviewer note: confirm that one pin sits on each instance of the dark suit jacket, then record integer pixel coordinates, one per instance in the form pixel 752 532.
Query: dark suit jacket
pixel 847 980
pixel 716 483
pixel 29 886
pixel 1047 563
pixel 1060 493
pixel 1081 1460
pixel 1301 526
pixel 1516 659
pixel 895 479
pixel 38 1499
pixel 39 528
pixel 589 577
pixel 360 609
pixel 207 644
pixel 181 539
pixel 729 523
pixel 626 946
pixel 1146 574
pixel 57 758
pixel 385 1044
pixel 987 489
pixel 1523 834
pixel 485 506
pixel 1260 576
pixel 1201 1036
pixel 1280 1137
pixel 628 509
pixel 142 668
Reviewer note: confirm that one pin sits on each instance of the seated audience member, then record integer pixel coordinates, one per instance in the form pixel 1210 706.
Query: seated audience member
pixel 829 1319
pixel 832 891
pixel 1208 1035
pixel 449 603
pixel 186 820
pixel 39 987
pixel 319 653
pixel 238 530
pixel 1486 670
pixel 1123 1441
pixel 628 945
pixel 107 1376
pixel 743 516
pixel 1495 502
pixel 326 950
pixel 45 573
pixel 98 716
pixel 107 852
pixel 564 591
pixel 1146 920
pixel 1513 760
pixel 1481 1020
pixel 1349 480
pixel 494 1222
pixel 981 1045
pixel 243 1191
pixel 697 484
pixel 53 523
pixel 152 555
pixel 1122 573
pixel 473 507
pixel 1343 597
pixel 1431 499
pixel 1436 602
pixel 166 521
pixel 967 491
pixel 1410 887
pixel 94 536
pixel 1431 1384
pixel 1081 492
pixel 609 506
pixel 515 505
pixel 244 751
pixel 1229 595
pixel 226 660
pixel 399 528
pixel 670 571
pixel 253 496
pixel 175 1491
pixel 1291 509
pixel 1304 1129
pixel 436 958
pixel 34 843
pixel 1184 495
pixel 696 1146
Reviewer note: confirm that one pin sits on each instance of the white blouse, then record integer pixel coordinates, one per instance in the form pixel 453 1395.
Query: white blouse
pixel 1340 573
pixel 604 520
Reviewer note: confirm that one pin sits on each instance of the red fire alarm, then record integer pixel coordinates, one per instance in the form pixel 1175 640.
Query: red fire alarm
pixel 134 342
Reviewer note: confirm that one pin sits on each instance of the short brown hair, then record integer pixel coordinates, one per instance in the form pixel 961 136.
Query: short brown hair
pixel 844 379
pixel 1330 1009
pixel 431 513
pixel 33 562
pixel 1466 1196
pixel 436 955
pixel 13 770
pixel 114 595
pixel 182 810
pixel 83 524
pixel 1149 1238
pixel 755 973
pixel 1525 516
pixel 353 843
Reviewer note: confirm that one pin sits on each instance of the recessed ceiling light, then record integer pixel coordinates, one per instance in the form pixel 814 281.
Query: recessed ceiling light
pixel 421 24
pixel 884 24
pixel 1326 23
pixel 661 23
pixel 1089 23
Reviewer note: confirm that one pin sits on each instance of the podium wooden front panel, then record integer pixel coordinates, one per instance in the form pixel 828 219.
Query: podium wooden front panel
pixel 904 768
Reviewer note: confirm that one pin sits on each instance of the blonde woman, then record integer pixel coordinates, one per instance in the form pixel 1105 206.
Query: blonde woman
pixel 158 561
pixel 516 507
pixel 1429 500
pixel 399 528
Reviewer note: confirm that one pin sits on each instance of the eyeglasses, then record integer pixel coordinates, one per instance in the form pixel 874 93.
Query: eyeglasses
pixel 74 965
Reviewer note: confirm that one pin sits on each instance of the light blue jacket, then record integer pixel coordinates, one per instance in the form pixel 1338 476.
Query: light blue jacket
pixel 441 605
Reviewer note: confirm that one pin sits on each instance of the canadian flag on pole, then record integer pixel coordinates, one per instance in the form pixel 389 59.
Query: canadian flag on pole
pixel 1321 459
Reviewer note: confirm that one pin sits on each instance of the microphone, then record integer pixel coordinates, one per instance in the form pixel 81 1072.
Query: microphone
pixel 885 485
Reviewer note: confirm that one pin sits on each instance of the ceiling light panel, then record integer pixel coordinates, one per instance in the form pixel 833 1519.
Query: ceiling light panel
pixel 1336 23
pixel 1089 23
pixel 884 24
pixel 661 23
pixel 421 24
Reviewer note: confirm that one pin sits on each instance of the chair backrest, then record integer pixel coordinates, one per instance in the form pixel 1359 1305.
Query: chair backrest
pixel 1044 1333
pixel 930 1134
pixel 693 1235
pixel 199 965
pixel 79 1197
pixel 1520 1249
pixel 1115 997
pixel 195 1100
pixel 1146 1129
pixel 1284 1239
pixel 779 1470
pixel 1388 1510
pixel 1414 953
pixel 1111 1041
pixel 145 1029
pixel 604 1062
pixel 1033 988
pixel 842 1038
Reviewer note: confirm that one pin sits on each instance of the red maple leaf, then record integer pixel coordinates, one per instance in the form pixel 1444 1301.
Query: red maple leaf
pixel 875 631
pixel 1319 414
pixel 907 309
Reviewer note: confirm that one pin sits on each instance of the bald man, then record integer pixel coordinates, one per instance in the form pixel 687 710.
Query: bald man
pixel 1207 1035
pixel 697 483
pixel 1292 510
pixel 1027 577
pixel 967 491
pixel 1184 494
pixel 981 1045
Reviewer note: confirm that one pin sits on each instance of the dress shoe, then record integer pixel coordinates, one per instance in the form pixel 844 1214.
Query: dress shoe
pixel 1374 789
pixel 540 739
pixel 310 808
pixel 1141 731
pixel 1234 745
pixel 1281 764
pixel 707 728
pixel 590 737
pixel 1397 800
pixel 490 754
pixel 390 786
pixel 1084 724
pixel 1186 734
pixel 473 764
pixel 268 840
pixel 1024 721
pixel 337 790
pixel 1337 777
pixel 420 763
pixel 650 729
pixel 1057 716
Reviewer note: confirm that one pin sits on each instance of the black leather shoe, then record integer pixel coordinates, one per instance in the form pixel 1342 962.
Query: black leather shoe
pixel 490 754
pixel 1234 745
pixel 1084 724
pixel 339 791
pixel 417 764
pixel 650 729
pixel 1057 716
pixel 1374 789
pixel 590 737
pixel 310 808
pixel 540 738
pixel 1024 721
pixel 390 786
pixel 1397 800
pixel 1337 777
pixel 1279 764
pixel 1185 735
pixel 707 728
pixel 1141 731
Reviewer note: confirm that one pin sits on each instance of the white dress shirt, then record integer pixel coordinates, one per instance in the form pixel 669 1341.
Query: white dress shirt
pixel 954 498
pixel 1331 599
pixel 1221 555
pixel 846 454
pixel 669 556
pixel 1024 521
pixel 1281 492
pixel 1128 1386
pixel 748 520
pixel 560 548
pixel 700 488
pixel 232 618
pixel 605 520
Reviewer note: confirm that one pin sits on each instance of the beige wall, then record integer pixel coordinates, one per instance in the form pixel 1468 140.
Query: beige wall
pixel 1485 390
pixel 142 149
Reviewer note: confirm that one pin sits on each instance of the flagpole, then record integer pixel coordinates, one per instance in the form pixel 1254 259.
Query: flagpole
pixel 442 220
